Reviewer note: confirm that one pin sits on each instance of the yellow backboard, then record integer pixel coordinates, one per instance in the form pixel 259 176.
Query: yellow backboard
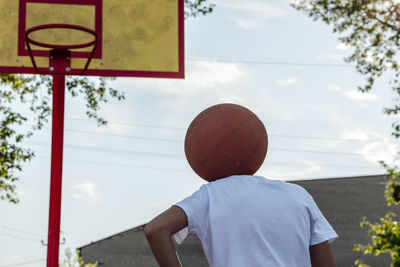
pixel 137 38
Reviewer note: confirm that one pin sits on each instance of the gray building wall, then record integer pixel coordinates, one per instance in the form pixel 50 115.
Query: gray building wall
pixel 130 249
pixel 343 201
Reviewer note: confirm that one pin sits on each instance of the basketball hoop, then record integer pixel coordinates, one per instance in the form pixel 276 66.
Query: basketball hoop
pixel 60 55
pixel 43 37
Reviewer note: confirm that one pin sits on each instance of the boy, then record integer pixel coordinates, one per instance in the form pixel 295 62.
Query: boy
pixel 246 221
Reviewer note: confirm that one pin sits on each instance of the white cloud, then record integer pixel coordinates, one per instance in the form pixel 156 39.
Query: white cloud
pixel 376 146
pixel 353 94
pixel 343 46
pixel 286 82
pixel 251 15
pixel 358 135
pixel 255 8
pixel 329 56
pixel 334 87
pixel 23 191
pixel 12 259
pixel 206 83
pixel 203 75
pixel 312 167
pixel 379 150
pixel 200 76
pixel 246 24
pixel 289 173
pixel 85 190
pixel 357 95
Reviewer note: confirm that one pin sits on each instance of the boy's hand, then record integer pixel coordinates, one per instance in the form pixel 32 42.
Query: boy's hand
pixel 159 231
pixel 321 255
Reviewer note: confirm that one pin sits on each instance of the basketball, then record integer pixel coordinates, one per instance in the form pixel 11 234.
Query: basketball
pixel 225 140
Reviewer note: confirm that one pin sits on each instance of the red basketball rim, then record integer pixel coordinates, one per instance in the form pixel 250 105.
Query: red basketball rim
pixel 61 26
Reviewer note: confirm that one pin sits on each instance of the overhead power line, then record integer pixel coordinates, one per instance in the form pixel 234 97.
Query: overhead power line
pixel 132 124
pixel 181 155
pixel 182 128
pixel 323 138
pixel 22 263
pixel 180 141
pixel 21 231
pixel 126 136
pixel 126 165
pixel 322 165
pixel 20 238
pixel 263 62
pixel 114 150
pixel 318 152
pixel 188 170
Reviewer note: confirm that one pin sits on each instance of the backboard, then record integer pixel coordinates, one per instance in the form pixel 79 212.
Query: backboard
pixel 136 38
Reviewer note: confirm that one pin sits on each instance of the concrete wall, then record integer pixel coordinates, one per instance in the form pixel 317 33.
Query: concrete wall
pixel 130 249
pixel 344 202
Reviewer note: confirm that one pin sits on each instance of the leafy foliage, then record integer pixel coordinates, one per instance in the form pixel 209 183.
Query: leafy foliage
pixel 371 28
pixel 392 192
pixel 32 94
pixel 12 154
pixel 194 8
pixel 385 235
pixel 75 260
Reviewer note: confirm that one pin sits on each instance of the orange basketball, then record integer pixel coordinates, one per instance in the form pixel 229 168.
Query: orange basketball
pixel 225 140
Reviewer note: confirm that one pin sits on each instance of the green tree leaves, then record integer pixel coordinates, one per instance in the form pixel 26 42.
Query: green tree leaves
pixel 25 107
pixel 193 8
pixel 372 29
pixel 385 234
pixel 73 259
pixel 12 153
pixel 385 237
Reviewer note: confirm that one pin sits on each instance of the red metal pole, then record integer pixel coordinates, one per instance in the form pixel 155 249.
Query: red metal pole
pixel 56 170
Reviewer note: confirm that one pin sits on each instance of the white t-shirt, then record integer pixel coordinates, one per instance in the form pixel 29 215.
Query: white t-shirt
pixel 251 221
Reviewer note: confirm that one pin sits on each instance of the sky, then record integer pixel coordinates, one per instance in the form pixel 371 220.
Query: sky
pixel 261 54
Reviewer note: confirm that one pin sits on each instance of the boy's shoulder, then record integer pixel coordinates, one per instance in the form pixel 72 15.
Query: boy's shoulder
pixel 295 187
pixel 256 179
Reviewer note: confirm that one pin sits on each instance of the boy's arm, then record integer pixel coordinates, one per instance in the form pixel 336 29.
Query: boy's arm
pixel 321 255
pixel 159 231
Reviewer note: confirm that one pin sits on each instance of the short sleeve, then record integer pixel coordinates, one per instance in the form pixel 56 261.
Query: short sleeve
pixel 196 210
pixel 320 228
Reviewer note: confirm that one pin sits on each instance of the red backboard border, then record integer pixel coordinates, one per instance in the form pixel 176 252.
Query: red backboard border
pixel 22 51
